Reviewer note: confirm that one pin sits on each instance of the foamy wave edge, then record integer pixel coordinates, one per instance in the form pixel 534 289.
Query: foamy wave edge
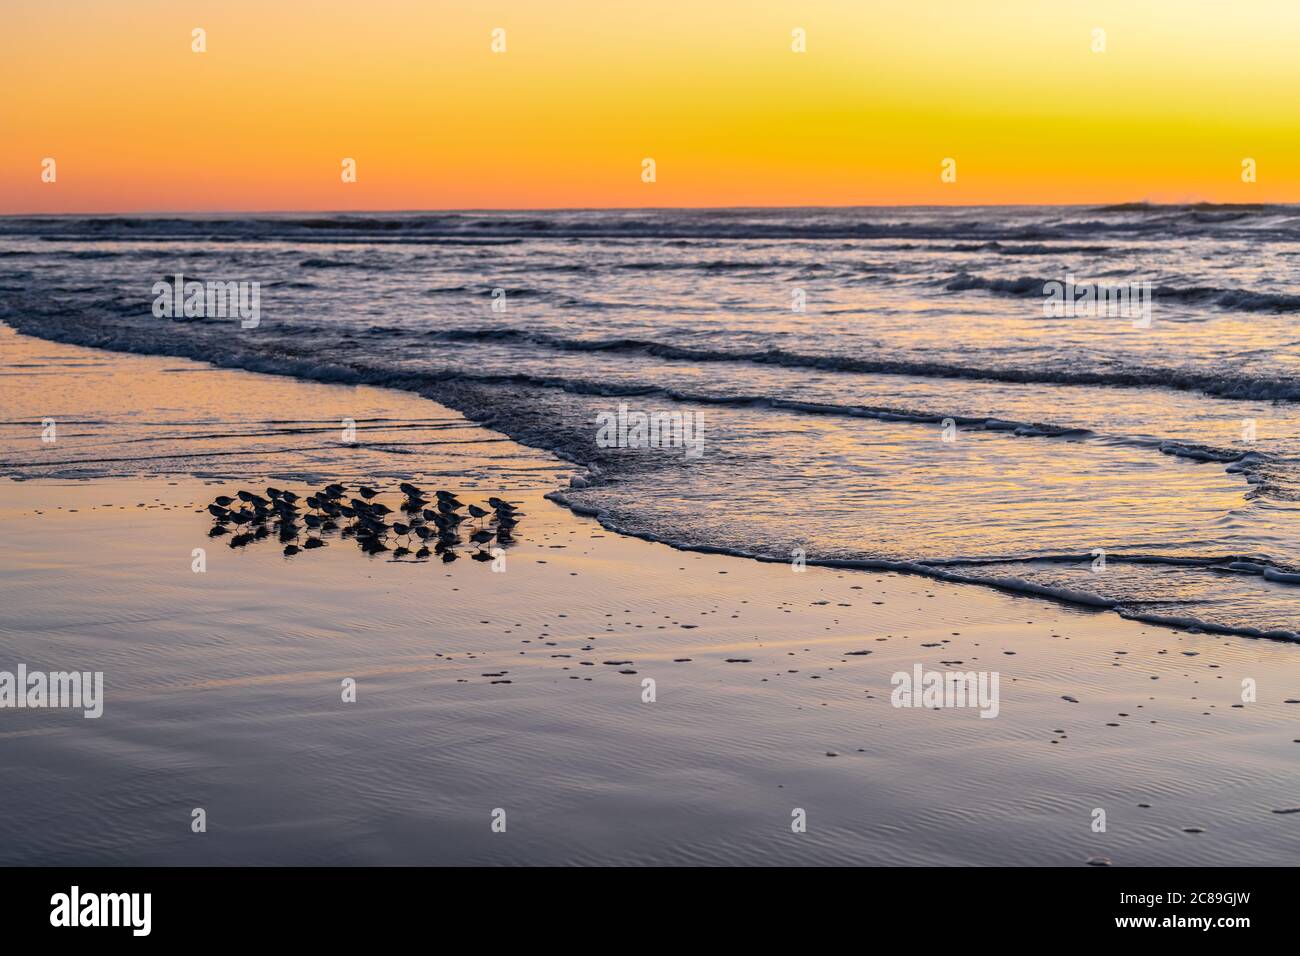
pixel 1008 584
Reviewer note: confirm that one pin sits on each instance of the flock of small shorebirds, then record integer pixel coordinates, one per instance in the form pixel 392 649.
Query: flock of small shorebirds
pixel 435 521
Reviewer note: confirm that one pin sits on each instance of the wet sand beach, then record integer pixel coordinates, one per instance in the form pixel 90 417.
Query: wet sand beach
pixel 524 690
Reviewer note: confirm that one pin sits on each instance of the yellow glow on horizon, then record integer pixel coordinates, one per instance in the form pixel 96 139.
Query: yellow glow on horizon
pixel 711 90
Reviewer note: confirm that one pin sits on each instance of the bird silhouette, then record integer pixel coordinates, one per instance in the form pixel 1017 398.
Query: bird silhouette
pixel 362 520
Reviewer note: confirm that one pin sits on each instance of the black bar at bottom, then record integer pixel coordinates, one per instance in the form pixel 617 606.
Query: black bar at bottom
pixel 331 905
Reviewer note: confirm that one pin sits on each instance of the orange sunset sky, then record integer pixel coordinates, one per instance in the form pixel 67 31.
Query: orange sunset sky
pixel 585 90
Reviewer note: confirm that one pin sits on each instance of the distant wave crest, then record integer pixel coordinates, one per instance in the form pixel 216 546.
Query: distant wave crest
pixel 1241 300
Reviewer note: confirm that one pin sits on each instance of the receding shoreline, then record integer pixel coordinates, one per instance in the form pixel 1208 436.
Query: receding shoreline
pixel 478 690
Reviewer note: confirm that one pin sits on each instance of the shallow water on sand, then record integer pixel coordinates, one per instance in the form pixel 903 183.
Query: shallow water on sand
pixel 1170 448
pixel 223 688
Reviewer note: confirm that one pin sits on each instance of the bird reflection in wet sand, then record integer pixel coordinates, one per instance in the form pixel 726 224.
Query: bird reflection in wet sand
pixel 301 523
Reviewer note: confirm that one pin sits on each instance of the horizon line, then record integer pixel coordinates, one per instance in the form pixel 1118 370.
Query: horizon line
pixel 544 209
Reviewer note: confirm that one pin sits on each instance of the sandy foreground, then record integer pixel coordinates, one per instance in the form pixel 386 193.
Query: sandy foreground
pixel 524 690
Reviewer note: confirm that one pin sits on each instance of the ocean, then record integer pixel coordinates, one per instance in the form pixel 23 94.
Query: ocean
pixel 870 387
